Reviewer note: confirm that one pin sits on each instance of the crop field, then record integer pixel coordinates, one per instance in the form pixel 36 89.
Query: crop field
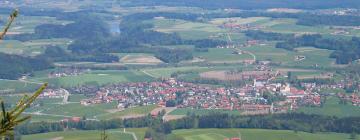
pixel 130 112
pixel 114 134
pixel 97 77
pixel 27 24
pixel 254 134
pixel 139 58
pixel 30 48
pixel 17 86
pixel 186 29
pixel 333 108
pixel 219 55
pixel 166 72
pixel 313 56
pixel 54 110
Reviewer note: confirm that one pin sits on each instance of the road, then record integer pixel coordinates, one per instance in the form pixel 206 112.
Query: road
pixel 237 48
pixel 131 133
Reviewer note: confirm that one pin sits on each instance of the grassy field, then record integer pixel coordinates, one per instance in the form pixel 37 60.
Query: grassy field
pixel 218 55
pixel 254 134
pixel 187 29
pixel 185 111
pixel 17 86
pixel 313 56
pixel 97 77
pixel 166 72
pixel 142 110
pixel 31 48
pixel 139 58
pixel 333 108
pixel 114 134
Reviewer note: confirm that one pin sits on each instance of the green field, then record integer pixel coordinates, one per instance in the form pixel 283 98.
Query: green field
pixel 114 134
pixel 333 108
pixel 97 77
pixel 31 48
pixel 187 29
pixel 313 56
pixel 254 134
pixel 142 110
pixel 219 55
pixel 17 86
pixel 166 72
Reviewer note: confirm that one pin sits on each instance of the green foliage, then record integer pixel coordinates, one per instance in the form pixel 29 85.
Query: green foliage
pixel 10 119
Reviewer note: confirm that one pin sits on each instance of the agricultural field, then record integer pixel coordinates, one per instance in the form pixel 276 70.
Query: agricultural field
pixel 166 72
pixel 17 86
pixel 114 134
pixel 254 134
pixel 333 108
pixel 55 110
pixel 313 56
pixel 187 29
pixel 27 24
pixel 218 55
pixel 31 48
pixel 139 58
pixel 130 112
pixel 97 78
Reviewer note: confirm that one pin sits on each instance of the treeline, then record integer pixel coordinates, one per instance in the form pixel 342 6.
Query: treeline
pixel 345 50
pixel 290 121
pixel 248 4
pixel 14 66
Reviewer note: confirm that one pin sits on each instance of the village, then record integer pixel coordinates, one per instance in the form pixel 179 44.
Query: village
pixel 250 99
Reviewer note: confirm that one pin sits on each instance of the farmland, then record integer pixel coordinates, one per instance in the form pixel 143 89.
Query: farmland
pixel 254 134
pixel 333 108
pixel 97 78
pixel 88 135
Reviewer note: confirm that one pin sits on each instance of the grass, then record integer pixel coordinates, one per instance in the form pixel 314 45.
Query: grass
pixel 186 29
pixel 98 78
pixel 79 135
pixel 142 110
pixel 219 55
pixel 185 111
pixel 17 86
pixel 166 72
pixel 254 134
pixel 333 108
pixel 313 56
pixel 31 48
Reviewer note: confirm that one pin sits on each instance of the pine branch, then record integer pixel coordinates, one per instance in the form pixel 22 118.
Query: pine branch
pixel 12 17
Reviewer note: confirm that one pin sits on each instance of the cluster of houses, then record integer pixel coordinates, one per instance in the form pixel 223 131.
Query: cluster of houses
pixel 188 95
pixel 353 98
pixel 56 93
pixel 66 72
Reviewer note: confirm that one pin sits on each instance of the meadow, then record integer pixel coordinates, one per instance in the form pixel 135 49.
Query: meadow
pixel 219 55
pixel 313 56
pixel 31 48
pixel 333 108
pixel 254 134
pixel 187 29
pixel 98 77
pixel 114 134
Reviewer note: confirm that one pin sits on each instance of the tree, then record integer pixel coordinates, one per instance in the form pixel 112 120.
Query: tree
pixel 11 118
pixel 104 136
